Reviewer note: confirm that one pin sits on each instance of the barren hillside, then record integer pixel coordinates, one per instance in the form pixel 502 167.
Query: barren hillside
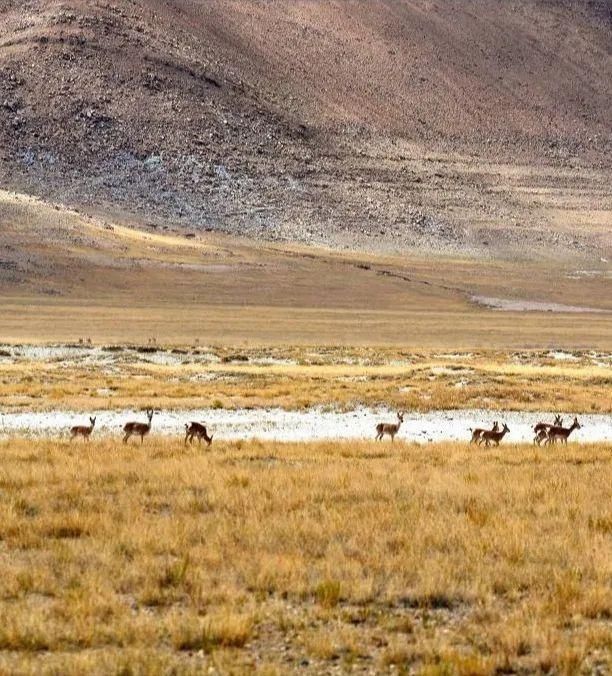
pixel 459 126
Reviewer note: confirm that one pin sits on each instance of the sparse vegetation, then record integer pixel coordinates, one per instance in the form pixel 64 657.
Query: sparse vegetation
pixel 296 378
pixel 390 126
pixel 237 293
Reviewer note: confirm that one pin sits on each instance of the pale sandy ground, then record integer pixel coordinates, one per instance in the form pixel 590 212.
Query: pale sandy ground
pixel 509 305
pixel 96 356
pixel 309 425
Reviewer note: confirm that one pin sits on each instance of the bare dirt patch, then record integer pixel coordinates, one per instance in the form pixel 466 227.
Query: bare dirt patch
pixel 516 305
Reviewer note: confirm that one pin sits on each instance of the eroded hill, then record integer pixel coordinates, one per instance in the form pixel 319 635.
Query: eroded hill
pixel 458 126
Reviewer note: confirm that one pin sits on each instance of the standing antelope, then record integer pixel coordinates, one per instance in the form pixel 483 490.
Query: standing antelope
pixel 476 433
pixel 488 436
pixel 560 433
pixel 389 428
pixel 83 430
pixel 541 429
pixel 197 430
pixel 137 428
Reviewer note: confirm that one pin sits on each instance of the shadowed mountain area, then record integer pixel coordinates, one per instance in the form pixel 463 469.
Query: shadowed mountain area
pixel 458 127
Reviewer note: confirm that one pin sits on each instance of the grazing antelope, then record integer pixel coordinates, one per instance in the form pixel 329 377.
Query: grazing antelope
pixel 541 429
pixel 138 429
pixel 478 431
pixel 197 430
pixel 83 430
pixel 389 428
pixel 558 433
pixel 495 437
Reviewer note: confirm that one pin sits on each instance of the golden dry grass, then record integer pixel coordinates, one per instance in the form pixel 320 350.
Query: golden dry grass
pixel 122 284
pixel 28 319
pixel 297 377
pixel 304 557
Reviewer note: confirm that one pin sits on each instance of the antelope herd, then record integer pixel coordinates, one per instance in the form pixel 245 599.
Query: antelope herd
pixel 140 429
pixel 559 433
pixel 541 429
pixel 488 437
pixel 478 432
pixel 548 433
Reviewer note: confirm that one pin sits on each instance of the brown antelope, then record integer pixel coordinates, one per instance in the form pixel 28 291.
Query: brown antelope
pixel 138 429
pixel 197 430
pixel 389 428
pixel 478 431
pixel 83 430
pixel 541 429
pixel 557 433
pixel 495 437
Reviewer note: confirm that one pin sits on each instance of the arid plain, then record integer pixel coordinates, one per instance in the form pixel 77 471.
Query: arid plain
pixel 290 221
pixel 320 556
pixel 68 276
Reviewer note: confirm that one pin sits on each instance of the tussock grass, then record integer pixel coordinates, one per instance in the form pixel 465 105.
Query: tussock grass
pixel 315 376
pixel 438 559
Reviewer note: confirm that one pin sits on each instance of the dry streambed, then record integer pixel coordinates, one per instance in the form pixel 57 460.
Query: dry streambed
pixel 307 425
pixel 275 423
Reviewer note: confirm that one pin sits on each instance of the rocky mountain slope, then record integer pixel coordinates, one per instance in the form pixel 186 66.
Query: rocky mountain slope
pixel 460 126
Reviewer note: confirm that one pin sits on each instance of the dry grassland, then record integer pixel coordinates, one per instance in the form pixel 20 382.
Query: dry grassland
pixel 315 558
pixel 293 378
pixel 87 277
pixel 25 320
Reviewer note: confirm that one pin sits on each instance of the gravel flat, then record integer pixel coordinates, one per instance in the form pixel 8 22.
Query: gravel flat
pixel 308 425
